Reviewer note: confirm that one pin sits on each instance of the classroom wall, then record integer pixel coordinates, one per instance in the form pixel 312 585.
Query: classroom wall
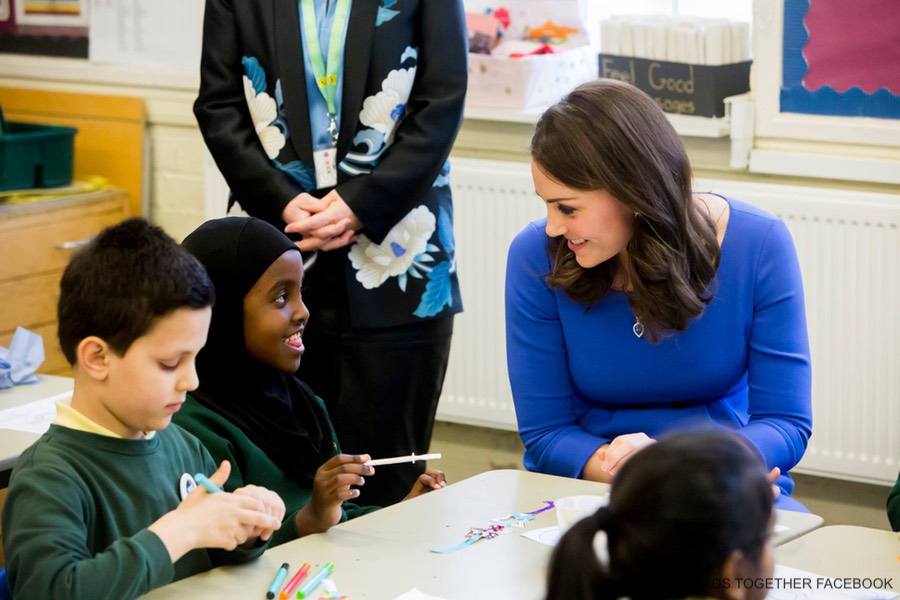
pixel 177 181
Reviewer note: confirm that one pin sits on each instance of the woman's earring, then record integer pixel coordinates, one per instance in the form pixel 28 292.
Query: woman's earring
pixel 637 214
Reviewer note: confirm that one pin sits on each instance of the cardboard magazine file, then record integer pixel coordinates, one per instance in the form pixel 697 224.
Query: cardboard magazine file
pixel 682 88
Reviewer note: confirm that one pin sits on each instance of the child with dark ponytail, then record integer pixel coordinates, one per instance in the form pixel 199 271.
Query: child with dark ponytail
pixel 688 516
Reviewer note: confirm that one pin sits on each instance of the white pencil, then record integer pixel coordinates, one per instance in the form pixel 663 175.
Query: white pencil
pixel 402 459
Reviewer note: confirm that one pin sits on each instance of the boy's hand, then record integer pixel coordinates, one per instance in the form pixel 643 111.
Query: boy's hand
pixel 431 479
pixel 331 487
pixel 272 505
pixel 205 520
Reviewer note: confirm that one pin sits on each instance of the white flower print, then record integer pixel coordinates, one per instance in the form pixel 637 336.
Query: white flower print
pixel 398 253
pixel 383 110
pixel 263 112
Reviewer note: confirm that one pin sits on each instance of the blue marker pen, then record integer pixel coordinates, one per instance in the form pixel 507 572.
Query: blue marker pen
pixel 208 485
pixel 279 579
pixel 313 583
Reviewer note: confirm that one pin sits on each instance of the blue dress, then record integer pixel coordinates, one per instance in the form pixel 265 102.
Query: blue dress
pixel 580 377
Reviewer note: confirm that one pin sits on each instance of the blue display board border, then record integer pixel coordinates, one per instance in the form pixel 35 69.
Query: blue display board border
pixel 824 101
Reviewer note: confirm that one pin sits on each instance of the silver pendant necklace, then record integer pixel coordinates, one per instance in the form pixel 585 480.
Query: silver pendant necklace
pixel 637 328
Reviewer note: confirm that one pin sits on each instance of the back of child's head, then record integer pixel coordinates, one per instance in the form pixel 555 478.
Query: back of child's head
pixel 678 510
pixel 129 276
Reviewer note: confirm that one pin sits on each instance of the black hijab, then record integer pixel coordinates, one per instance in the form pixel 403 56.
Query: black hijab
pixel 277 411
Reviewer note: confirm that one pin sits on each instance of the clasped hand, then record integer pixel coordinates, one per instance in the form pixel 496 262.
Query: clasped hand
pixel 326 223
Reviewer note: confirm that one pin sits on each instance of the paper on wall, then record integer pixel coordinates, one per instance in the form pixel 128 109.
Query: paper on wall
pixel 153 32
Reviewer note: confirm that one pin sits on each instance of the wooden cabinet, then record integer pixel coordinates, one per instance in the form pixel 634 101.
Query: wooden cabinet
pixel 36 242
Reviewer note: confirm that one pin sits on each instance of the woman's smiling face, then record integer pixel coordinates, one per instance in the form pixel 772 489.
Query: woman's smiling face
pixel 597 227
pixel 275 316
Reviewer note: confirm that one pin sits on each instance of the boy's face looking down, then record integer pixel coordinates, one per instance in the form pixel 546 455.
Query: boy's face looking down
pixel 139 391
pixel 275 316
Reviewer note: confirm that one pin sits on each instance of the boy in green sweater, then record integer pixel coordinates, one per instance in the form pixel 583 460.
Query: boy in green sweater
pixel 104 504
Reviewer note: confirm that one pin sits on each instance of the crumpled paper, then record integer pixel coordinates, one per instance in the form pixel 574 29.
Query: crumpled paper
pixel 23 357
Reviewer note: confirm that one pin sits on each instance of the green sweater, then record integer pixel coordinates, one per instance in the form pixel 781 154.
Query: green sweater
pixel 893 506
pixel 250 465
pixel 75 520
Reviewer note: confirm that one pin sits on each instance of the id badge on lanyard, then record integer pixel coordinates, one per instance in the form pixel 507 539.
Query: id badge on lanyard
pixel 326 75
pixel 326 167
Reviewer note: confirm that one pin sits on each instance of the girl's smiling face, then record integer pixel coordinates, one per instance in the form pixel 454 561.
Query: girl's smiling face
pixel 275 316
pixel 596 225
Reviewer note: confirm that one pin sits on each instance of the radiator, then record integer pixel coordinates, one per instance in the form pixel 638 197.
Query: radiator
pixel 849 249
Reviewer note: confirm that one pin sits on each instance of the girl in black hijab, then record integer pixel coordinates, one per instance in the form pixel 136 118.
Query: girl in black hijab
pixel 249 407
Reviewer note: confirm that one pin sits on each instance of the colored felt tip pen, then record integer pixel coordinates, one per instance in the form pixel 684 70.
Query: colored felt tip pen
pixel 310 586
pixel 295 581
pixel 208 485
pixel 280 576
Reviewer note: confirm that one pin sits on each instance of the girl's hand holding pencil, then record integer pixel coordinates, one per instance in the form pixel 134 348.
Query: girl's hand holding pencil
pixel 431 479
pixel 331 487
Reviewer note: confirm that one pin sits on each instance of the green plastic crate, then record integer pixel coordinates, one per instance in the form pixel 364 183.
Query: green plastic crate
pixel 35 156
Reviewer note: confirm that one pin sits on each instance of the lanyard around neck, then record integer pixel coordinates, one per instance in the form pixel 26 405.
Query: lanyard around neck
pixel 326 73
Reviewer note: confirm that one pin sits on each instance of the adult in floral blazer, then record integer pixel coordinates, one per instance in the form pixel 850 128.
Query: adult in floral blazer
pixel 381 280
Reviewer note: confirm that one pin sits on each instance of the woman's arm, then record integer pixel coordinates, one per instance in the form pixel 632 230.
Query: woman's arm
pixel 221 111
pixel 547 406
pixel 424 137
pixel 779 374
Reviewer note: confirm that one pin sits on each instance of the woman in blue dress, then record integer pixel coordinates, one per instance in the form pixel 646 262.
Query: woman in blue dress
pixel 639 307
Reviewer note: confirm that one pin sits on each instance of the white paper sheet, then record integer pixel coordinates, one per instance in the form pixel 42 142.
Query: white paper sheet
pixel 34 417
pixel 548 536
pixel 160 32
pixel 416 594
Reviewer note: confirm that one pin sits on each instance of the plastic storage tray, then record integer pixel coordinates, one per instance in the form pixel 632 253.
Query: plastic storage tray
pixel 35 156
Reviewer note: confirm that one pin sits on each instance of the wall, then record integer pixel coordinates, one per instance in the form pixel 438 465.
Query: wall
pixel 177 157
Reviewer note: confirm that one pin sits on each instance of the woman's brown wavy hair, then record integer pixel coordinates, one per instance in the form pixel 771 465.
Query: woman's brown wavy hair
pixel 608 135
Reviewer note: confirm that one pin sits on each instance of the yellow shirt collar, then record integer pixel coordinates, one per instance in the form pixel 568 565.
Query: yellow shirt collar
pixel 66 416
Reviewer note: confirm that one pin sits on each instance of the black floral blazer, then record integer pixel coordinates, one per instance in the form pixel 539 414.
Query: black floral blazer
pixel 405 77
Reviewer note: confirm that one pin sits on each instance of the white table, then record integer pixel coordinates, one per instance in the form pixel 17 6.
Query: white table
pixel 13 443
pixel 845 551
pixel 384 554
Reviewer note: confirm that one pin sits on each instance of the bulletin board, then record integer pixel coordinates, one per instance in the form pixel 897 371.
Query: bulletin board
pixel 45 27
pixel 841 58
